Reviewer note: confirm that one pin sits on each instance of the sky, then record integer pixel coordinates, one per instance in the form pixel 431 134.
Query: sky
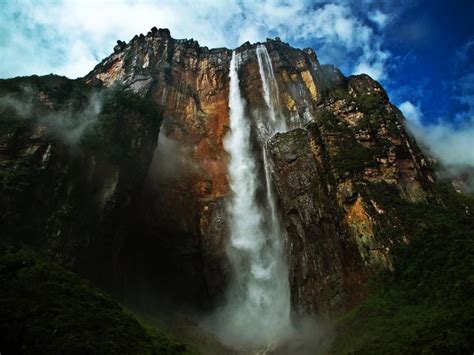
pixel 422 51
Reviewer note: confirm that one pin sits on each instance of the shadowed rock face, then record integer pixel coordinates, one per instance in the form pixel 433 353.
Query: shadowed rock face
pixel 345 145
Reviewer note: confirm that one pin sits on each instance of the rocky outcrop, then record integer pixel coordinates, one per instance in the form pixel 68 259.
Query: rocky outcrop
pixel 345 148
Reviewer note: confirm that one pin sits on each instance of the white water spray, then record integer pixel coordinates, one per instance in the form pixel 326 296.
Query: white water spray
pixel 257 312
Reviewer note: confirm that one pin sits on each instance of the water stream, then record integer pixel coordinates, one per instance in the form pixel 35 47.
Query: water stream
pixel 257 312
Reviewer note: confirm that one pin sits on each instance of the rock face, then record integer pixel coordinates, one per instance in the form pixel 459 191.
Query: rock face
pixel 74 158
pixel 331 175
pixel 346 145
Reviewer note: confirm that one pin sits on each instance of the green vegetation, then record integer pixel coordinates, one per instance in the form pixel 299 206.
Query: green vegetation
pixel 340 94
pixel 45 309
pixel 370 103
pixel 53 130
pixel 72 110
pixel 426 304
pixel 376 114
pixel 353 158
pixel 332 124
pixel 60 105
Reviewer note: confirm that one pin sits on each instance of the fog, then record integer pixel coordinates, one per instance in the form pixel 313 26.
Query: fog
pixel 452 147
pixel 66 124
pixel 170 160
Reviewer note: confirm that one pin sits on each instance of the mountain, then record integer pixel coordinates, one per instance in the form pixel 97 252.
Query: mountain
pixel 123 177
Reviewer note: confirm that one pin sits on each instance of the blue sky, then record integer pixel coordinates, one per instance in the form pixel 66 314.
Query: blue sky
pixel 421 51
pixel 434 43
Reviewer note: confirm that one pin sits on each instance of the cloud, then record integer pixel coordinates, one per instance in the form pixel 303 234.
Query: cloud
pixel 345 38
pixel 450 139
pixel 65 124
pixel 411 112
pixel 451 146
pixel 379 18
pixel 70 37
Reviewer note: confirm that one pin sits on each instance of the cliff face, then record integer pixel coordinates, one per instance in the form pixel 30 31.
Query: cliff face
pixel 74 158
pixel 345 147
pixel 183 205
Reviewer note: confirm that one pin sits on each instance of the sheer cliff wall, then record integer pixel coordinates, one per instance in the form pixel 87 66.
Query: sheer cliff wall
pixel 157 225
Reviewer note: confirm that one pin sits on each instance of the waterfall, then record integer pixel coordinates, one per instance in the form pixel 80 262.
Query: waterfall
pixel 257 312
pixel 276 122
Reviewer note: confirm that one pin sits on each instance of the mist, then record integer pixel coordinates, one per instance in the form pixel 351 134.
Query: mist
pixel 452 147
pixel 170 160
pixel 67 124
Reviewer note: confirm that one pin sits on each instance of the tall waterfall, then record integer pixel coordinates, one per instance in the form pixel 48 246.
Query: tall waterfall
pixel 257 312
pixel 275 121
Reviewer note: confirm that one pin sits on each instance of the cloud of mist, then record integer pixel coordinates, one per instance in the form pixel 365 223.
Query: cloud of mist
pixel 70 37
pixel 452 146
pixel 170 160
pixel 379 18
pixel 67 124
pixel 22 106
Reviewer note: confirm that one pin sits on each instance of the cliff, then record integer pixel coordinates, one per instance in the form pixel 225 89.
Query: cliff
pixel 122 175
pixel 344 143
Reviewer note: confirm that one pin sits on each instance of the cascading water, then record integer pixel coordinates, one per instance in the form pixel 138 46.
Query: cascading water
pixel 275 122
pixel 257 312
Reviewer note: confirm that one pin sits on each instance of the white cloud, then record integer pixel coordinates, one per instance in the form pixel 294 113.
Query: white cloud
pixel 451 141
pixel 452 146
pixel 70 37
pixel 411 112
pixel 379 18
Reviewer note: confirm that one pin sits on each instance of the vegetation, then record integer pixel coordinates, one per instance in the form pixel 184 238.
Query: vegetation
pixel 370 103
pixel 426 304
pixel 353 158
pixel 52 130
pixel 328 121
pixel 340 94
pixel 45 309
